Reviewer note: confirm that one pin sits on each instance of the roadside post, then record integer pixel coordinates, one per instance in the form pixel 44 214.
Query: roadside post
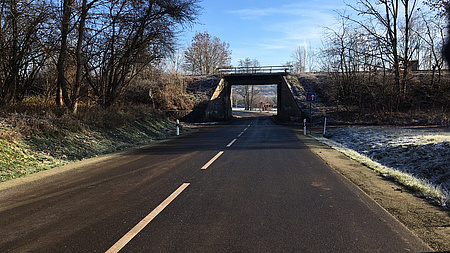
pixel 178 127
pixel 325 127
pixel 304 126
pixel 310 98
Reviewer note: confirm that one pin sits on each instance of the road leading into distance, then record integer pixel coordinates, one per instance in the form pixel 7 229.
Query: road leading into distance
pixel 245 186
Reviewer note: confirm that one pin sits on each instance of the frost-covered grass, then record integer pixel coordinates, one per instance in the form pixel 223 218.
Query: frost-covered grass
pixel 416 158
pixel 18 159
pixel 31 143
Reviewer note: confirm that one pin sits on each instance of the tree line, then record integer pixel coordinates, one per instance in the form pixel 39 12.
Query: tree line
pixel 372 55
pixel 69 50
pixel 63 48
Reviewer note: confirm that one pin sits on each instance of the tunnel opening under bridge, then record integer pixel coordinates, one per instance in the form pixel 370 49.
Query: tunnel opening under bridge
pixel 220 106
pixel 260 98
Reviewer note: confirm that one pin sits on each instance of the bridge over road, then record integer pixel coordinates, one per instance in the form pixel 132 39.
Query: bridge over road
pixel 220 105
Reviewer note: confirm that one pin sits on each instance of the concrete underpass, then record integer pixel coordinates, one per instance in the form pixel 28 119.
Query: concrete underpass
pixel 220 106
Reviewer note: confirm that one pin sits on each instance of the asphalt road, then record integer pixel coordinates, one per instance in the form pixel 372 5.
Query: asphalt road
pixel 245 186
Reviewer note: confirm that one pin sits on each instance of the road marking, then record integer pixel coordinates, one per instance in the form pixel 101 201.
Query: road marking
pixel 212 160
pixel 144 222
pixel 245 129
pixel 231 143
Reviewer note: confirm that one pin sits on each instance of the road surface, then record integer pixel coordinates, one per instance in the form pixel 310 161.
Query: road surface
pixel 245 186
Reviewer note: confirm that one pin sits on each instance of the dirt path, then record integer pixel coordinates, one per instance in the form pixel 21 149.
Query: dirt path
pixel 428 222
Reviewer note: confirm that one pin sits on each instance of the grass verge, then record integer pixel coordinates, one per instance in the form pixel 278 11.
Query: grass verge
pixel 420 187
pixel 32 142
pixel 428 222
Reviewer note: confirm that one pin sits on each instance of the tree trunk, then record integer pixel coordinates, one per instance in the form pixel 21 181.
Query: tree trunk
pixel 79 57
pixel 62 91
pixel 13 75
pixel 408 29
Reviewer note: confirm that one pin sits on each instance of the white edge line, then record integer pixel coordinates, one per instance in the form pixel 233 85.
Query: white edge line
pixel 212 160
pixel 231 143
pixel 144 222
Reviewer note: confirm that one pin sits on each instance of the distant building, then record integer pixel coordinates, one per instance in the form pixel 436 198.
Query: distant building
pixel 266 106
pixel 412 65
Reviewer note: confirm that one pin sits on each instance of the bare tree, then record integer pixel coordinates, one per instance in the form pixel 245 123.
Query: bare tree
pixel 62 94
pixel 433 39
pixel 249 92
pixel 206 54
pixel 22 52
pixel 408 48
pixel 341 53
pixel 74 15
pixel 135 34
pixel 79 55
pixel 355 59
pixel 173 63
pixel 383 24
pixel 443 8
pixel 300 57
pixel 96 44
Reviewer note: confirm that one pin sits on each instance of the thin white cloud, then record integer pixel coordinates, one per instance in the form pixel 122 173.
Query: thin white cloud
pixel 296 21
pixel 281 29
pixel 254 13
pixel 268 46
pixel 296 9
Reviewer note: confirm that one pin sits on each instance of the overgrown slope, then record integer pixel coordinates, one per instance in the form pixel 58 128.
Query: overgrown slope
pixel 363 101
pixel 36 138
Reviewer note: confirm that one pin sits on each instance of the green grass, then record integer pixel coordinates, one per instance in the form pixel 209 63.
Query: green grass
pixel 32 143
pixel 18 159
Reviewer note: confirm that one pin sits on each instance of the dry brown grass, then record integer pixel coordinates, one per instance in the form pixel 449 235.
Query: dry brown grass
pixel 33 137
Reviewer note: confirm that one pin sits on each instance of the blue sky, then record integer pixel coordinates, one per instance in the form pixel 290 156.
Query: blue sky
pixel 268 31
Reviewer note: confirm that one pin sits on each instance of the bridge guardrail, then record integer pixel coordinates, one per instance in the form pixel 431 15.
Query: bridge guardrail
pixel 254 70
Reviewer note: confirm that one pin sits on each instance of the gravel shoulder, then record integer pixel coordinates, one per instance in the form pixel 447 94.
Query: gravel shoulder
pixel 430 223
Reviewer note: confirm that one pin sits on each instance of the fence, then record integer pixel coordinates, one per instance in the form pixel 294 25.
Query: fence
pixel 255 70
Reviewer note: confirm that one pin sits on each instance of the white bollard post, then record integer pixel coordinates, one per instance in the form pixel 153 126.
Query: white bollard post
pixel 178 127
pixel 304 126
pixel 325 127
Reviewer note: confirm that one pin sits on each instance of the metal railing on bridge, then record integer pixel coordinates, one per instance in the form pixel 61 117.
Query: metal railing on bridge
pixel 255 70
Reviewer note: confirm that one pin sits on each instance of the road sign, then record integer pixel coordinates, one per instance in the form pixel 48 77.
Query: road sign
pixel 310 97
